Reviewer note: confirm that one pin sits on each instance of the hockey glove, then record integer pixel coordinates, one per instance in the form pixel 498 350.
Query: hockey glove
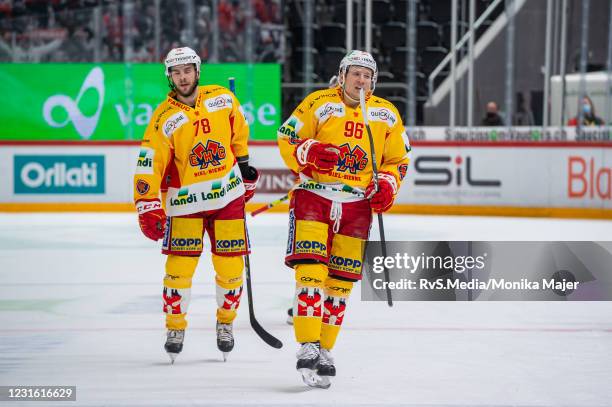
pixel 382 200
pixel 151 218
pixel 321 157
pixel 250 176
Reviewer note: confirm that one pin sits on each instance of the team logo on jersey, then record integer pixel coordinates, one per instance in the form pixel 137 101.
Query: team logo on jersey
pixel 203 156
pixel 352 159
pixel 402 169
pixel 142 186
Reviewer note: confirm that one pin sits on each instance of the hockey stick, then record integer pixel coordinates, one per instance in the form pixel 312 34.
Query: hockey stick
pixel 381 227
pixel 259 330
pixel 269 205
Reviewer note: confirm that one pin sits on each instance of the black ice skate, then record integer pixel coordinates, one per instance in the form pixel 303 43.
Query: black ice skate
pixel 174 343
pixel 290 316
pixel 326 366
pixel 225 339
pixel 307 364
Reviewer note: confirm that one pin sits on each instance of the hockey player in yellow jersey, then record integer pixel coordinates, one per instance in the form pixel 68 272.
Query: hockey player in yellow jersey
pixel 325 141
pixel 194 156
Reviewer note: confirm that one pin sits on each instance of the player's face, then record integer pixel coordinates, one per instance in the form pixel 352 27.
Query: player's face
pixel 184 78
pixel 357 77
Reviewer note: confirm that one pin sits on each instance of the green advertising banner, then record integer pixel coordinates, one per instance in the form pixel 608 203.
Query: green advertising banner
pixel 116 101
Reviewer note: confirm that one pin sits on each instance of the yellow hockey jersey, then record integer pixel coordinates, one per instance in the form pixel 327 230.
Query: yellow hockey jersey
pixel 323 116
pixel 192 151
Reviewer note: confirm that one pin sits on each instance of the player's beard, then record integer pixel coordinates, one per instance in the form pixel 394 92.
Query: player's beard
pixel 189 92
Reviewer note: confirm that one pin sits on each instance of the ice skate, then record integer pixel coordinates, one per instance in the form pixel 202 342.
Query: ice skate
pixel 290 316
pixel 225 339
pixel 326 368
pixel 307 364
pixel 174 343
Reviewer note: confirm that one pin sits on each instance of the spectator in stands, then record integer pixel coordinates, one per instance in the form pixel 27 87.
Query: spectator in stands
pixel 589 118
pixel 523 115
pixel 492 117
pixel 267 11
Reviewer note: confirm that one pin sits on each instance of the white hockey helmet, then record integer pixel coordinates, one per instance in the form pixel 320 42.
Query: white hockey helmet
pixel 181 56
pixel 358 58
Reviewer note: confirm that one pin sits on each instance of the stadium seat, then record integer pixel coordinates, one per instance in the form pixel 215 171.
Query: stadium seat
pixel 440 11
pixel 400 10
pixel 385 76
pixel 462 28
pixel 428 34
pixel 339 15
pixel 381 11
pixel 297 33
pixel 330 61
pixel 398 63
pixel 421 84
pixel 400 103
pixel 393 35
pixel 298 62
pixel 431 57
pixel 333 34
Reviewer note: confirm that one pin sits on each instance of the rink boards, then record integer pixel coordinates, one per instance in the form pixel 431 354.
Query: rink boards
pixel 566 179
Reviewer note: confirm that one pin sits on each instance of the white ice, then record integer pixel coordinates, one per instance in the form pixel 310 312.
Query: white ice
pixel 81 305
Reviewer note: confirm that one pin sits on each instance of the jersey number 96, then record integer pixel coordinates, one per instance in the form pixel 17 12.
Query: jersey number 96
pixel 353 129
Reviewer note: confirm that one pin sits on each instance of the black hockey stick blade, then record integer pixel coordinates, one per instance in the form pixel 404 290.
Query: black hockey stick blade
pixel 265 335
pixel 259 330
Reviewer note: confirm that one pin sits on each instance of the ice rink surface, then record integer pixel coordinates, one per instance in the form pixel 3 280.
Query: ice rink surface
pixel 81 305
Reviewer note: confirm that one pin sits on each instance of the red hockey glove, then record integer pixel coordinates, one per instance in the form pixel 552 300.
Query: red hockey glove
pixel 321 157
pixel 250 176
pixel 151 218
pixel 382 200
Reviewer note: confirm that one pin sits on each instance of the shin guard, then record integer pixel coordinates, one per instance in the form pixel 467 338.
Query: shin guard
pixel 177 289
pixel 334 307
pixel 228 286
pixel 308 301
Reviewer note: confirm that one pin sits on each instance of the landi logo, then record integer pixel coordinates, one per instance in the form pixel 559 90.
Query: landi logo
pixel 588 179
pixel 58 174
